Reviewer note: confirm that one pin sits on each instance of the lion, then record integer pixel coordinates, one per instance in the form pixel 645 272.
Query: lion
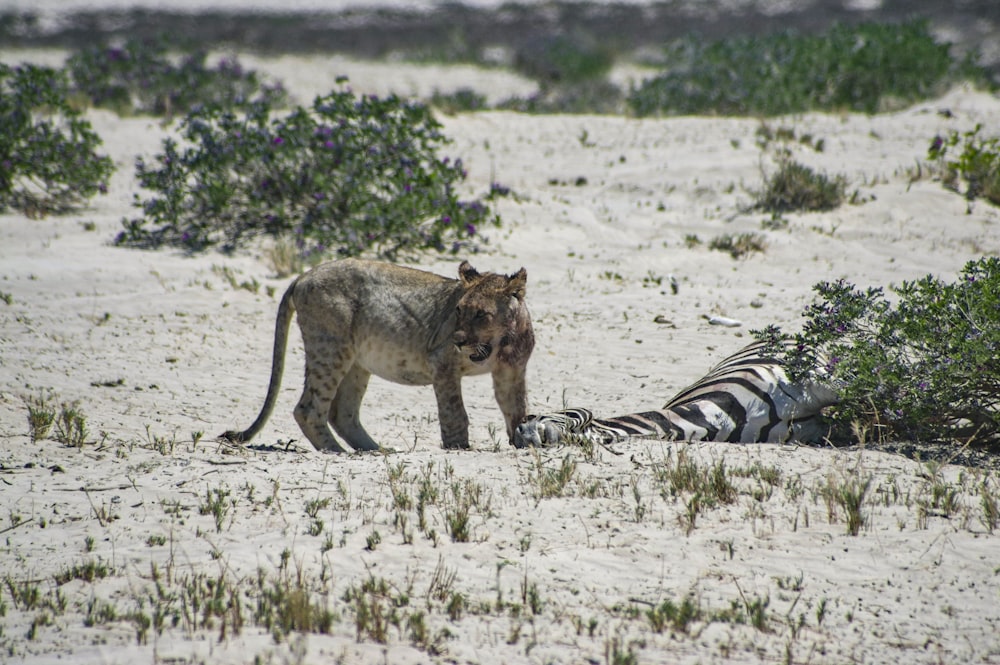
pixel 360 317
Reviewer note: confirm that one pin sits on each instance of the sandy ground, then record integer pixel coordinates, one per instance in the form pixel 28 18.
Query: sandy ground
pixel 161 353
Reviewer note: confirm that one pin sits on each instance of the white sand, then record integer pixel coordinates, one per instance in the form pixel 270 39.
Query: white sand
pixel 193 354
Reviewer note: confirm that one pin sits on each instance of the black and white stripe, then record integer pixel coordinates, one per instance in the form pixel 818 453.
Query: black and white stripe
pixel 746 398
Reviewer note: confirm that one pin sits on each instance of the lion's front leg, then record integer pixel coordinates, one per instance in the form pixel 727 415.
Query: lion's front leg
pixel 510 390
pixel 451 410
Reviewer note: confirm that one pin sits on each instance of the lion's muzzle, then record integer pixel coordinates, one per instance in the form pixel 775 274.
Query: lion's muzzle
pixel 481 351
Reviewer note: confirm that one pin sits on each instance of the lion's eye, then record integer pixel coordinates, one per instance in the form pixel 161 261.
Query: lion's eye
pixel 481 314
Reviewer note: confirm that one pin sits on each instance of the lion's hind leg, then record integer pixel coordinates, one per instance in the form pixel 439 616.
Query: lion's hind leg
pixel 324 373
pixel 345 410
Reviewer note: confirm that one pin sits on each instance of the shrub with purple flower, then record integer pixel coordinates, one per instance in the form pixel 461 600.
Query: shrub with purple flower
pixel 922 365
pixel 353 174
pixel 48 158
pixel 978 163
pixel 139 77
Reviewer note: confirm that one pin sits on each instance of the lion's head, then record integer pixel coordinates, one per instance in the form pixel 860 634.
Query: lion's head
pixel 492 318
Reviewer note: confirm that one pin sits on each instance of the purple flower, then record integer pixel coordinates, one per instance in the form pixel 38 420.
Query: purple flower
pixel 937 143
pixel 498 189
pixel 470 229
pixel 446 219
pixel 319 196
pixel 329 145
pixel 277 140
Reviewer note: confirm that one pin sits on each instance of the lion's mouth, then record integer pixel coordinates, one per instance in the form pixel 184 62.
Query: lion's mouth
pixel 481 353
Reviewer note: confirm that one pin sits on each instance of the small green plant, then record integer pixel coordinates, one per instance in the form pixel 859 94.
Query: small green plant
pixel 978 163
pixel 48 153
pixel 71 426
pixel 88 571
pixel 422 637
pixel 160 442
pixel 376 605
pixel 350 174
pixel 284 605
pixel 739 245
pixel 313 507
pixel 675 616
pixel 25 595
pixel 921 365
pixel 850 496
pixel 205 602
pixel 686 476
pixel 41 417
pixel 458 513
pixel 284 258
pixel 217 504
pixel 617 653
pixel 229 275
pixel 552 482
pixel 156 540
pixel 990 506
pixel 140 77
pixel 100 612
pixel 427 494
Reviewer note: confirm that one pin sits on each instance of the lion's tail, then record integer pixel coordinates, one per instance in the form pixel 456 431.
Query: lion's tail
pixel 281 324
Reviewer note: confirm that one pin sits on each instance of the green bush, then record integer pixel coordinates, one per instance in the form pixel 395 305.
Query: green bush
pixel 48 159
pixel 795 186
pixel 139 77
pixel 563 60
pixel 571 71
pixel 598 96
pixel 350 174
pixel 459 101
pixel 921 365
pixel 860 68
pixel 978 164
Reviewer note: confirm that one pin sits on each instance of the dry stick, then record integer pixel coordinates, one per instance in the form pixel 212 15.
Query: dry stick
pixel 97 513
pixel 14 526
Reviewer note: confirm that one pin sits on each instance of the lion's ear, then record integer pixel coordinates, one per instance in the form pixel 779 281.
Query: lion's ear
pixel 517 284
pixel 467 273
